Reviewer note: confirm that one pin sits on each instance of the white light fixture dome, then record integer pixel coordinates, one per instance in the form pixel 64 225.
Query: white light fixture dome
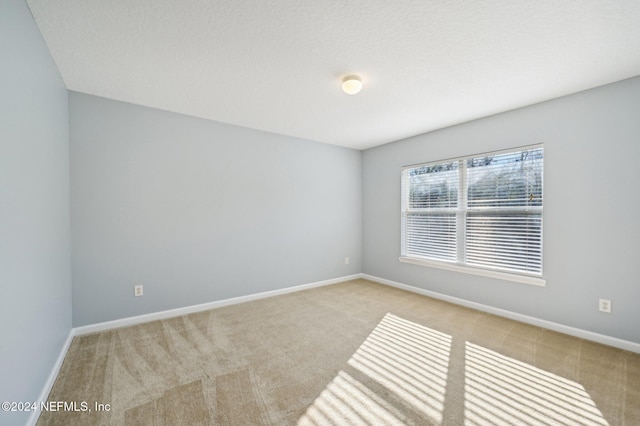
pixel 351 84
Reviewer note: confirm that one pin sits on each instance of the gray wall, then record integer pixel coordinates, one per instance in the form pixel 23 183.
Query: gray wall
pixel 591 216
pixel 35 277
pixel 198 211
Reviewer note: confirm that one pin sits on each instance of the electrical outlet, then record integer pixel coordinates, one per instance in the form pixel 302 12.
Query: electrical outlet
pixel 137 290
pixel 346 260
pixel 604 305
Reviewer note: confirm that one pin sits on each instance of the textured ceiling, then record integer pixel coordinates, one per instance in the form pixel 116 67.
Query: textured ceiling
pixel 277 65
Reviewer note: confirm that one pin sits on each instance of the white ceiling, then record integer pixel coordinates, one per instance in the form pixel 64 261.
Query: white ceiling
pixel 277 65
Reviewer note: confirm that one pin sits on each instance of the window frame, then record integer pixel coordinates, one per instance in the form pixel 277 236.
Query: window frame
pixel 462 209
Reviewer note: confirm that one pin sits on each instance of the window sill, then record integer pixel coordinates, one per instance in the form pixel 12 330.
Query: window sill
pixel 523 279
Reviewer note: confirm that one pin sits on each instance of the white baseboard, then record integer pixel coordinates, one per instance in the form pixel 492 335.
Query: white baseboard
pixel 572 331
pixel 44 395
pixel 125 322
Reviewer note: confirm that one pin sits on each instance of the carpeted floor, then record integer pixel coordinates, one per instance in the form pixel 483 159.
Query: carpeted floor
pixel 350 353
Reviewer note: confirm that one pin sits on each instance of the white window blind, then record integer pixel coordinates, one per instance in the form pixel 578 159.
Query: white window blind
pixel 430 213
pixel 481 211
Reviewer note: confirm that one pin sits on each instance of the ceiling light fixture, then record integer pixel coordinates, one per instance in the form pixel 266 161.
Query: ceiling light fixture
pixel 351 84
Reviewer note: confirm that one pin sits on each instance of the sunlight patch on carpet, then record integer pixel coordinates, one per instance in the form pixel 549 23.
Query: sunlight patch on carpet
pixel 399 375
pixel 348 400
pixel 407 360
pixel 502 390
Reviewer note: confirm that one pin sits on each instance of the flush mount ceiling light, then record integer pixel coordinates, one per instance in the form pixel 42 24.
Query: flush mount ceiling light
pixel 351 84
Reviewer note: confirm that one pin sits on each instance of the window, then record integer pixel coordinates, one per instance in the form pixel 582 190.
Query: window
pixel 482 212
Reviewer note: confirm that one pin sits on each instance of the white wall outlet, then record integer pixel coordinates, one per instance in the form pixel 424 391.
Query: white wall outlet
pixel 604 305
pixel 137 290
pixel 346 260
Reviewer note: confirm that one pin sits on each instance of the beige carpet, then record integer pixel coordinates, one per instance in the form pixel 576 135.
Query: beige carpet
pixel 349 353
